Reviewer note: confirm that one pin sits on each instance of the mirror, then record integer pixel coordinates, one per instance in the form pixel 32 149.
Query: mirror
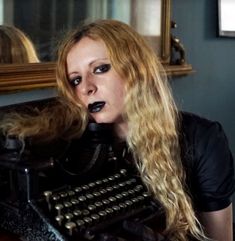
pixel 45 22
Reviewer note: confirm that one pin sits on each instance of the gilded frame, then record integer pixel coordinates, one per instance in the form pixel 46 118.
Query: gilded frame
pixel 22 77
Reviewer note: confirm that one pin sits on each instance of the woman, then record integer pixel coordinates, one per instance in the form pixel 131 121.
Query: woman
pixel 107 73
pixel 16 47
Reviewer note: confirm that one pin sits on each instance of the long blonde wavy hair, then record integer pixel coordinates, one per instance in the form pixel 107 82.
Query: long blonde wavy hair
pixel 150 112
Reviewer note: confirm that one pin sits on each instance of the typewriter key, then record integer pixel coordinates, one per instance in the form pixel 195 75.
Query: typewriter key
pixel 77 212
pixel 70 226
pixel 109 189
pixel 63 194
pixel 68 216
pixel 71 193
pixel 95 217
pixel 77 189
pixel 91 207
pixel 105 180
pixel 109 210
pixel 89 196
pixel 67 204
pixel 85 212
pixel 87 220
pixel 105 201
pixel 59 219
pixel 102 214
pixel 59 207
pixel 98 204
pixel 82 198
pixel 80 223
pixel 47 195
pixel 123 171
pixel 74 201
pixel 92 184
pixel 85 187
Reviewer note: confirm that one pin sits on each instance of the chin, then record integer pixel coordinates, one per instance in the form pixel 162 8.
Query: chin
pixel 99 118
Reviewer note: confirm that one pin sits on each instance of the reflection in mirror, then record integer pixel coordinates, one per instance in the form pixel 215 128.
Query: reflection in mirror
pixel 47 21
pixel 16 47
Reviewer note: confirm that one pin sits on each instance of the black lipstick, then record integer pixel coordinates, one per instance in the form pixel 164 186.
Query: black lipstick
pixel 96 106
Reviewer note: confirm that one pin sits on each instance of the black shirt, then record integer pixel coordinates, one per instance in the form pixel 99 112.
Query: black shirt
pixel 208 163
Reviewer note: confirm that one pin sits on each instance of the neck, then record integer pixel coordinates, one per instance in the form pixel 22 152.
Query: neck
pixel 121 131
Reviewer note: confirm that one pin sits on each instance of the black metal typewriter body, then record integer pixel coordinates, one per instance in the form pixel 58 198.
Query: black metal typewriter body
pixel 84 191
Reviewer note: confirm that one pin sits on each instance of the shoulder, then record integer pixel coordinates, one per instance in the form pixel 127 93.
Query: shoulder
pixel 208 162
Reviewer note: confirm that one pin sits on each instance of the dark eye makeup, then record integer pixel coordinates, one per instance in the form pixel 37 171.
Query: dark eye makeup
pixel 75 81
pixel 102 69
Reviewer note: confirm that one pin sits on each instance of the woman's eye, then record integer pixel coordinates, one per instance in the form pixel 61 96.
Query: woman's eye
pixel 102 68
pixel 75 81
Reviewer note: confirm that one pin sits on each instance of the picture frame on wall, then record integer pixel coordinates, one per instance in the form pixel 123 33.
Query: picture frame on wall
pixel 226 17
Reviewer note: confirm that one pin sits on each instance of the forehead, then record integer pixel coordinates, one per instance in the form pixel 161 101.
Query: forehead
pixel 87 48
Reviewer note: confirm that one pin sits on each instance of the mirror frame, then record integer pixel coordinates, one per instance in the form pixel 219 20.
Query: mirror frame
pixel 23 77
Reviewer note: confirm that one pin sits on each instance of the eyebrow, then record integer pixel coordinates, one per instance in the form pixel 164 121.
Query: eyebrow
pixel 91 63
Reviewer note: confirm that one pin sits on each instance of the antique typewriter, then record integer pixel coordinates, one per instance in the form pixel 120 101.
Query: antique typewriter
pixel 78 190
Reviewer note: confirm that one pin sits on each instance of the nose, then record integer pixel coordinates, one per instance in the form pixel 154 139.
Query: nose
pixel 88 86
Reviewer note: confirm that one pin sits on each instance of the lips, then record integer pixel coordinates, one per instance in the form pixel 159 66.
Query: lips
pixel 96 106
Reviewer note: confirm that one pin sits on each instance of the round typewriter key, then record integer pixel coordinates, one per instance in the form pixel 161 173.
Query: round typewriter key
pixel 59 219
pixel 96 194
pixel 82 198
pixel 118 196
pixel 59 207
pixel 91 207
pixel 140 198
pixel 95 217
pixel 134 200
pixel 112 199
pixel 111 178
pixel 67 204
pixel 105 180
pixel 102 214
pixel 109 210
pixel 115 187
pixel 103 191
pixel 85 187
pixel 63 194
pixel 74 201
pixel 68 216
pixel 71 193
pixel 109 189
pixel 92 184
pixel 77 212
pixel 123 171
pixel 77 189
pixel 85 212
pixel 124 194
pixel 80 223
pixel 89 196
pixel 55 197
pixel 122 205
pixel 128 202
pixel 70 226
pixel 138 188
pixel 116 208
pixel 98 204
pixel 145 195
pixel 131 192
pixel 98 182
pixel 105 201
pixel 121 184
pixel 117 176
pixel 47 195
pixel 87 220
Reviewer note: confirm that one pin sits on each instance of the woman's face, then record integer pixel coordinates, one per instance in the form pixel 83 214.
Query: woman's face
pixel 96 83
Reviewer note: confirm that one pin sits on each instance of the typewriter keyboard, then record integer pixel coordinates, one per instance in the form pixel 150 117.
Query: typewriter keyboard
pixel 90 208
